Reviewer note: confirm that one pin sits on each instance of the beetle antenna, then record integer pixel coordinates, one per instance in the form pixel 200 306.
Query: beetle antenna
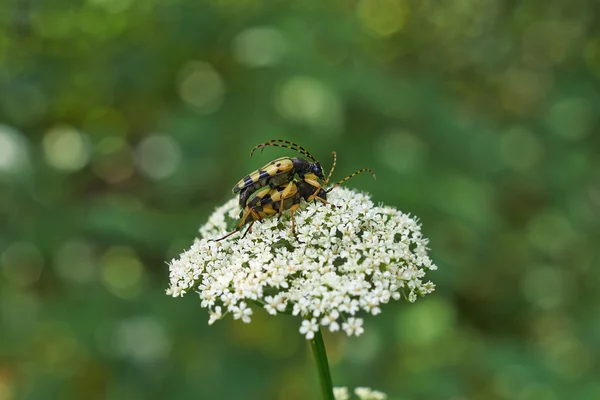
pixel 285 144
pixel 352 175
pixel 332 167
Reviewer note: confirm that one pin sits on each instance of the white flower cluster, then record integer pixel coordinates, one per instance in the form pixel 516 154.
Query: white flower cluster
pixel 363 393
pixel 349 260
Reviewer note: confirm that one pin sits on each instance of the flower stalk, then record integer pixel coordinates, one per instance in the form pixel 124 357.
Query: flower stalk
pixel 318 349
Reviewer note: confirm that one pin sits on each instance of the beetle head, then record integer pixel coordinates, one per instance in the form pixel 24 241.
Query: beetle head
pixel 317 170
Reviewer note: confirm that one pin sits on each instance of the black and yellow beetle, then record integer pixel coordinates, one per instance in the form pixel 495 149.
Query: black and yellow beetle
pixel 280 171
pixel 268 202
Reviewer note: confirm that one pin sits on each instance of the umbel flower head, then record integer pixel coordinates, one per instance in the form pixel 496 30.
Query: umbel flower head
pixel 345 263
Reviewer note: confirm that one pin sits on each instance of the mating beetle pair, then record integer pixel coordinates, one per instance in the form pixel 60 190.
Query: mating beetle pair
pixel 273 189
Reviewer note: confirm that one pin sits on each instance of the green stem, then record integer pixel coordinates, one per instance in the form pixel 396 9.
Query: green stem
pixel 318 349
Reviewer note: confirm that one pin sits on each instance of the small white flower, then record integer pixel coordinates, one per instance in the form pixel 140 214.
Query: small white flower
pixel 275 304
pixel 341 393
pixel 331 320
pixel 349 305
pixel 353 327
pixel 271 305
pixel 412 296
pixel 371 305
pixel 242 312
pixel 228 300
pixel 301 306
pixel 215 315
pixel 309 328
pixel 365 393
pixel 376 395
pixel 349 261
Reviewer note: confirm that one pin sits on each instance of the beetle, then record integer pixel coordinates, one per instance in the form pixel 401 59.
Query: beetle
pixel 267 202
pixel 279 171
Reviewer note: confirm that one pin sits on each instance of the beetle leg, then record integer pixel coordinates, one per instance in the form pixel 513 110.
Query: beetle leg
pixel 245 217
pixel 226 236
pixel 237 229
pixel 314 183
pixel 242 222
pixel 284 195
pixel 255 217
pixel 249 229
pixel 280 213
pixel 325 202
pixel 317 187
pixel 294 226
pixel 294 208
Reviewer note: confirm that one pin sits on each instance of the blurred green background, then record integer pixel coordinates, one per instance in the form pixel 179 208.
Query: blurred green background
pixel 124 123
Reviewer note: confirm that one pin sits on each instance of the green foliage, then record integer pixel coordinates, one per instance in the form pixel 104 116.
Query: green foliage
pixel 123 123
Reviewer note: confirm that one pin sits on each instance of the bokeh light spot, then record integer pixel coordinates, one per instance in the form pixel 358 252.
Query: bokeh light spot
pixel 59 351
pixel 402 151
pixel 25 104
pixel 546 43
pixel 536 391
pixel 200 85
pixel 519 148
pixel 20 310
pixel 142 339
pixel 14 156
pixel 569 357
pixel 22 263
pixel 464 197
pixel 551 232
pixel 105 121
pixel 122 272
pixel 522 89
pixel 452 239
pixel 307 100
pixel 456 20
pixel 432 319
pixel 259 47
pixel 545 286
pixel 591 55
pixel 113 161
pixel 509 382
pixel 54 23
pixel 66 148
pixel 75 261
pixel 592 391
pixel 6 388
pixel 572 118
pixel 367 351
pixel 112 6
pixel 158 156
pixel 383 17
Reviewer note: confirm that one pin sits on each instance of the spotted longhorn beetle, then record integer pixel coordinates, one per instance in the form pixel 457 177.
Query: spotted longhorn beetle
pixel 280 171
pixel 268 202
